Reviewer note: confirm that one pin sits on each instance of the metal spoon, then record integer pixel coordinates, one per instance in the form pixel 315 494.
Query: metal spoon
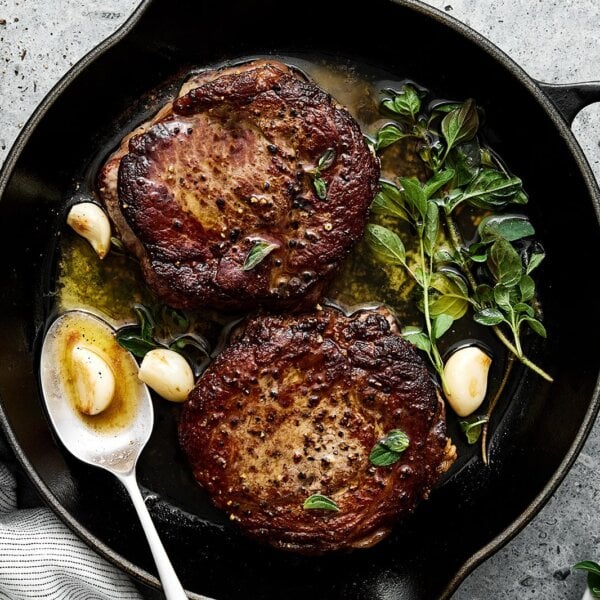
pixel 117 452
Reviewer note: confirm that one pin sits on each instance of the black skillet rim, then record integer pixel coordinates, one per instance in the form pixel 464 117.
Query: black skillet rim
pixel 568 138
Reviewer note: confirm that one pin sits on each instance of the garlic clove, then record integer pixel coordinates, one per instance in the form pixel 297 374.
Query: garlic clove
pixel 168 373
pixel 465 379
pixel 94 381
pixel 91 222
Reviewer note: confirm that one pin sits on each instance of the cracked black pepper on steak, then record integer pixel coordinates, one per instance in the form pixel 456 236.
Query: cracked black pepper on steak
pixel 293 406
pixel 247 155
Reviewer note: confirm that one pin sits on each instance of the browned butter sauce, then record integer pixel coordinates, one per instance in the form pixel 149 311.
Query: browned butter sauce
pixel 80 329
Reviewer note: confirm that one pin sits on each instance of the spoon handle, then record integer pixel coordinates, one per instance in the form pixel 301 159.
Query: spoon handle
pixel 171 585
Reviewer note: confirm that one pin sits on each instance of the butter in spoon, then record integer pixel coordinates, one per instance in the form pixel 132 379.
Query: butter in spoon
pixel 101 411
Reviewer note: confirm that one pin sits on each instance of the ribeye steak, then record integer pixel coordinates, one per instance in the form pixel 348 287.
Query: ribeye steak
pixel 248 158
pixel 293 406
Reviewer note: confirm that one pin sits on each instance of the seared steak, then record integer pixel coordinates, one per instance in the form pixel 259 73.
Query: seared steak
pixel 293 406
pixel 248 158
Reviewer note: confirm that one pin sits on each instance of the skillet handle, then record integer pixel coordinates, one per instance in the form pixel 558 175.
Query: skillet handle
pixel 570 98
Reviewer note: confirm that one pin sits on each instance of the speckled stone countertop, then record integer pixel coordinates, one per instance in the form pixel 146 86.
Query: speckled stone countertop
pixel 556 41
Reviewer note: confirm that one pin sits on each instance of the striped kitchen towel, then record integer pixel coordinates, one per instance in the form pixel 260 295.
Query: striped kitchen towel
pixel 41 558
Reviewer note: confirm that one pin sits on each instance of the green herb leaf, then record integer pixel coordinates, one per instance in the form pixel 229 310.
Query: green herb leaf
pixel 502 296
pixel 509 227
pixel 320 186
pixel 441 324
pixel 388 450
pixel 454 281
pixel 448 304
pixel 326 160
pixel 406 102
pixel 431 152
pixel 489 316
pixel 414 194
pixel 388 135
pixel 383 204
pixel 527 288
pixel 536 326
pixel 453 295
pixel 417 337
pixel 484 295
pixel 491 276
pixel 460 125
pixel 593 576
pixel 446 107
pixel 146 321
pixel 389 200
pixel 177 317
pixel 391 191
pixel 258 253
pixel 190 340
pixel 438 181
pixel 321 502
pixel 534 261
pixel 465 161
pixel 478 252
pixel 386 244
pixel 430 233
pixel 472 427
pixel 419 276
pixel 443 257
pixel 488 159
pixel 588 565
pixel 381 456
pixel 521 309
pixel 504 263
pixel 135 343
pixel 492 190
pixel 396 440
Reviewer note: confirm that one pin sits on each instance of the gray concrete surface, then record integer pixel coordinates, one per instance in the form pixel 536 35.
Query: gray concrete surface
pixel 554 41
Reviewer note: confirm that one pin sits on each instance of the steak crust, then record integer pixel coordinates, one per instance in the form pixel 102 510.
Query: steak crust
pixel 228 164
pixel 293 406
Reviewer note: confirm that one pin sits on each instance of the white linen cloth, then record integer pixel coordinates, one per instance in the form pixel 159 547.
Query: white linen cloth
pixel 41 558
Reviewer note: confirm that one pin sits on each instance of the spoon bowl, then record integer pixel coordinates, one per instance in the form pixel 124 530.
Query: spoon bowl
pixel 114 441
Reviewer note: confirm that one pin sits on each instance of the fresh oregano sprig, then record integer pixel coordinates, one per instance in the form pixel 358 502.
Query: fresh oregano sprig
pixel 491 275
pixel 444 295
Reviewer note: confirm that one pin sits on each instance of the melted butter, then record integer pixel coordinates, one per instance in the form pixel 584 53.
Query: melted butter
pixel 81 329
pixel 108 287
pixel 350 89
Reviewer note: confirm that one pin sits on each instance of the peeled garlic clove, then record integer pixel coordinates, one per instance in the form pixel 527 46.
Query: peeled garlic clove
pixel 465 379
pixel 167 373
pixel 94 381
pixel 91 222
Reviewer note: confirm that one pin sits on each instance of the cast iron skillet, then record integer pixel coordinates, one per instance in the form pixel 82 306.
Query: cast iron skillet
pixel 537 434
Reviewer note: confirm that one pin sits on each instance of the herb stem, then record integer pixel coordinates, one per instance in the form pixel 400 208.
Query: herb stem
pixel 519 354
pixel 411 273
pixel 426 270
pixel 458 245
pixel 515 329
pixel 515 348
pixel 492 405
